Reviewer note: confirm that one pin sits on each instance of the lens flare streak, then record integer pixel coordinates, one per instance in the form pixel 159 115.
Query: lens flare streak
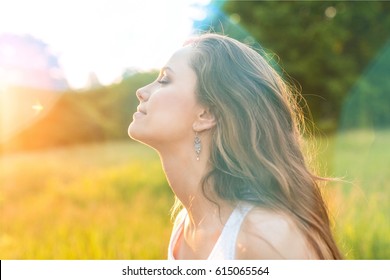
pixel 37 107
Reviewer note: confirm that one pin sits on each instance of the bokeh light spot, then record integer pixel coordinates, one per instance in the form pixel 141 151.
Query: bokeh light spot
pixel 330 12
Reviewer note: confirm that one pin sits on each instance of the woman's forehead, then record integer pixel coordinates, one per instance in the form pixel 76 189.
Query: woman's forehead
pixel 180 59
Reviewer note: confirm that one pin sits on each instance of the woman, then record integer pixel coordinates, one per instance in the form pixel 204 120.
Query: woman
pixel 226 128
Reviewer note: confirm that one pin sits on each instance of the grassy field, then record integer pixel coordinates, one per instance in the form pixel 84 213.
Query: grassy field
pixel 111 200
pixel 103 201
pixel 360 203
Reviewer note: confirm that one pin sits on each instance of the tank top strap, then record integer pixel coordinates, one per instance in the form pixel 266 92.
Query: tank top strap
pixel 225 247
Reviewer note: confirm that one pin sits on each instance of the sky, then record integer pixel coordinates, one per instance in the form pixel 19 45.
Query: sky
pixel 104 37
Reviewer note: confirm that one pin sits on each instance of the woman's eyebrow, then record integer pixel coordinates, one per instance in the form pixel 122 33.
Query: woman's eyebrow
pixel 167 68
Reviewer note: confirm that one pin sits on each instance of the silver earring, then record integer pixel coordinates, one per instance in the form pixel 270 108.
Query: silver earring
pixel 197 145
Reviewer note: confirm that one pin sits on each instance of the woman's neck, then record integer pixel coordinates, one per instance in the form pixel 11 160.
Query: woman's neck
pixel 184 175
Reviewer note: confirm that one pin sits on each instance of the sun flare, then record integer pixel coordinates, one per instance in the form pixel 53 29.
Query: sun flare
pixel 37 107
pixel 102 38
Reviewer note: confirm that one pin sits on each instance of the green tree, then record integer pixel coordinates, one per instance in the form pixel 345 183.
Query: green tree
pixel 324 46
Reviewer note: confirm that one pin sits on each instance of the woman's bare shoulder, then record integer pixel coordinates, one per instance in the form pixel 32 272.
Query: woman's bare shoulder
pixel 267 234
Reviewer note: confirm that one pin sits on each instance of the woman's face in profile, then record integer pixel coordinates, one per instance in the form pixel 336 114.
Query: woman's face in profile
pixel 168 106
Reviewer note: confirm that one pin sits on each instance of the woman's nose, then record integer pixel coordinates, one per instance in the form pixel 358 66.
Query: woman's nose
pixel 142 94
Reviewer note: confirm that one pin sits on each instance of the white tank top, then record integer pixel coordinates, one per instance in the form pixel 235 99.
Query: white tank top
pixel 225 247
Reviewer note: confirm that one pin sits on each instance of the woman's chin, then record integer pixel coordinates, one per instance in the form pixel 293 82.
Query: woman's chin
pixel 137 133
pixel 132 131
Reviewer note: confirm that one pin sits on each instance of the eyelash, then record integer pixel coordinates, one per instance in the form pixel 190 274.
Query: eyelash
pixel 163 80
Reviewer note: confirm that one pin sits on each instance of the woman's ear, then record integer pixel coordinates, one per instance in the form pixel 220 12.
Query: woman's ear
pixel 205 120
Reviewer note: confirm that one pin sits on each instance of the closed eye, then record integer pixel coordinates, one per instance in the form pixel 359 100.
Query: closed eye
pixel 163 81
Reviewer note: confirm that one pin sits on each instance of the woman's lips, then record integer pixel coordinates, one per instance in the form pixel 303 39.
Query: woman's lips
pixel 141 110
pixel 140 113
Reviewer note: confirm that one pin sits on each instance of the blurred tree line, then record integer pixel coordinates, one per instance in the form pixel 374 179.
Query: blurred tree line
pixel 94 115
pixel 330 48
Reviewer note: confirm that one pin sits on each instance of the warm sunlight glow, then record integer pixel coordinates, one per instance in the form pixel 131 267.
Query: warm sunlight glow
pixel 37 107
pixel 103 37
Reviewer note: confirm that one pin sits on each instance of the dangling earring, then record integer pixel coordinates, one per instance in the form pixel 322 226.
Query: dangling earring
pixel 197 145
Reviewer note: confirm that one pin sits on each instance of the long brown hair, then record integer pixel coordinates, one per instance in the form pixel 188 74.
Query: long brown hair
pixel 256 145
